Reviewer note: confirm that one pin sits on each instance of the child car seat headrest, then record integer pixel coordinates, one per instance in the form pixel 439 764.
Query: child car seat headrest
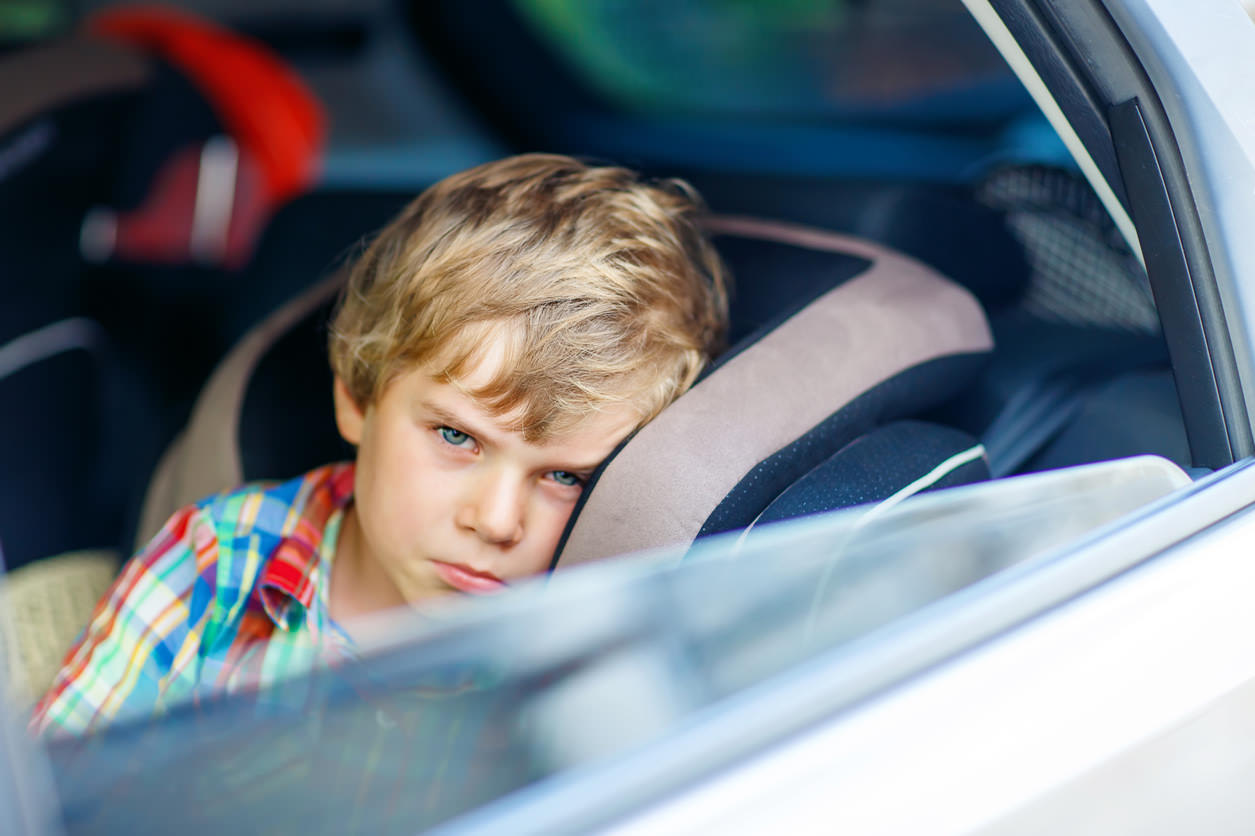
pixel 889 342
pixel 834 336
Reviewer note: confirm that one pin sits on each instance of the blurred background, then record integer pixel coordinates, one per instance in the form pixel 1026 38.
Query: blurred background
pixel 170 174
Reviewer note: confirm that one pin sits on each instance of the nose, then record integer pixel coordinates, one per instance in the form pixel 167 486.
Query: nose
pixel 494 508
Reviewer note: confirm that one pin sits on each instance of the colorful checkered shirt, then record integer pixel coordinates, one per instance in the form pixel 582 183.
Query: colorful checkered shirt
pixel 230 594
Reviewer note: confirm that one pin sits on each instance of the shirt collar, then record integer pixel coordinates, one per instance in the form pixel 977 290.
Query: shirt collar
pixel 289 582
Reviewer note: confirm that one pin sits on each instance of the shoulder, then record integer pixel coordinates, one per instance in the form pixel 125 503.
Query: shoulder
pixel 271 509
pixel 252 523
pixel 256 516
pixel 186 536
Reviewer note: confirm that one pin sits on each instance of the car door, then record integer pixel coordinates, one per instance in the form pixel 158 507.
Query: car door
pixel 1119 701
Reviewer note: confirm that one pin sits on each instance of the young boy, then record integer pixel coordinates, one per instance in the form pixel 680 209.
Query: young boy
pixel 493 345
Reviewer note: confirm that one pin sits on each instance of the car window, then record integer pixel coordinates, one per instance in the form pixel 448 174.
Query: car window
pixel 880 88
pixel 498 696
pixel 799 59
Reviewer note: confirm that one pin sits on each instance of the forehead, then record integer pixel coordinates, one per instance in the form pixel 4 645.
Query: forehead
pixel 597 431
pixel 511 371
pixel 490 348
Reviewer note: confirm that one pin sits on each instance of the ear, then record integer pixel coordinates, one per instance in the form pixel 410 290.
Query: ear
pixel 349 416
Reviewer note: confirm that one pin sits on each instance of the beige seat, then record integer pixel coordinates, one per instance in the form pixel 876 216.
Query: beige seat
pixel 43 608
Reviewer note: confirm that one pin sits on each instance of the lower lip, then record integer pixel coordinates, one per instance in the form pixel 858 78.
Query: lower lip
pixel 465 581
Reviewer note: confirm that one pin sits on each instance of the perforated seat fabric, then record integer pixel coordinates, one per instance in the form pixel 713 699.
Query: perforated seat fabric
pixel 893 462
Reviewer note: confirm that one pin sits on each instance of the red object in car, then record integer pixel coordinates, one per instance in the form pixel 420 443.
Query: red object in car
pixel 209 203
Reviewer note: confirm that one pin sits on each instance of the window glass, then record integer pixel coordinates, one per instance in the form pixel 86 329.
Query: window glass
pixel 797 59
pixel 501 694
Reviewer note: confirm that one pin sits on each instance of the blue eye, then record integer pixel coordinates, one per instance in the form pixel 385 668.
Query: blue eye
pixel 566 479
pixel 455 437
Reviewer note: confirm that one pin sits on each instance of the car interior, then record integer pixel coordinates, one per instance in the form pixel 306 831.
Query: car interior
pixel 927 293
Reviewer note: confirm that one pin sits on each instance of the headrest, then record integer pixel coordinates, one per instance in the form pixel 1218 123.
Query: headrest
pixel 891 341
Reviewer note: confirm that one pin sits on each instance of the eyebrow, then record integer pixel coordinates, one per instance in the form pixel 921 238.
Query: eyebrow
pixel 458 422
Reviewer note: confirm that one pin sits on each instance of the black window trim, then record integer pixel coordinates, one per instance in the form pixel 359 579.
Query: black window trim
pixel 1096 79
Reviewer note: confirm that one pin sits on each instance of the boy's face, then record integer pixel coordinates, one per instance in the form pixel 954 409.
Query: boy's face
pixel 448 498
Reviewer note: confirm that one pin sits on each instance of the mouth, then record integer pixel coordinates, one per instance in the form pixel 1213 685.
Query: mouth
pixel 466 579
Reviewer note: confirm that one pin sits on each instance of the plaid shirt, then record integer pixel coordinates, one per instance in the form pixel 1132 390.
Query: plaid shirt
pixel 230 594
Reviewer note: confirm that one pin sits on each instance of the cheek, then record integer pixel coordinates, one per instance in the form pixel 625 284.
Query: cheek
pixel 551 522
pixel 391 488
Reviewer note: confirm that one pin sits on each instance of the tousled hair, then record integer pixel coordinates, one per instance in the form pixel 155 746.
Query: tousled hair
pixel 599 287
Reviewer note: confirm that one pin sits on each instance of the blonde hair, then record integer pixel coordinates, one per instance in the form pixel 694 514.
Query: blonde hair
pixel 600 286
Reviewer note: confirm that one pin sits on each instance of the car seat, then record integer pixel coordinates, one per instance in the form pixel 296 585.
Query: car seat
pixel 120 232
pixel 111 140
pixel 835 340
pixel 58 369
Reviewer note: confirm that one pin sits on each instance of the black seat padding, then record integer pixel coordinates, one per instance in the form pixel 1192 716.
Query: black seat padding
pixel 900 459
pixel 944 226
